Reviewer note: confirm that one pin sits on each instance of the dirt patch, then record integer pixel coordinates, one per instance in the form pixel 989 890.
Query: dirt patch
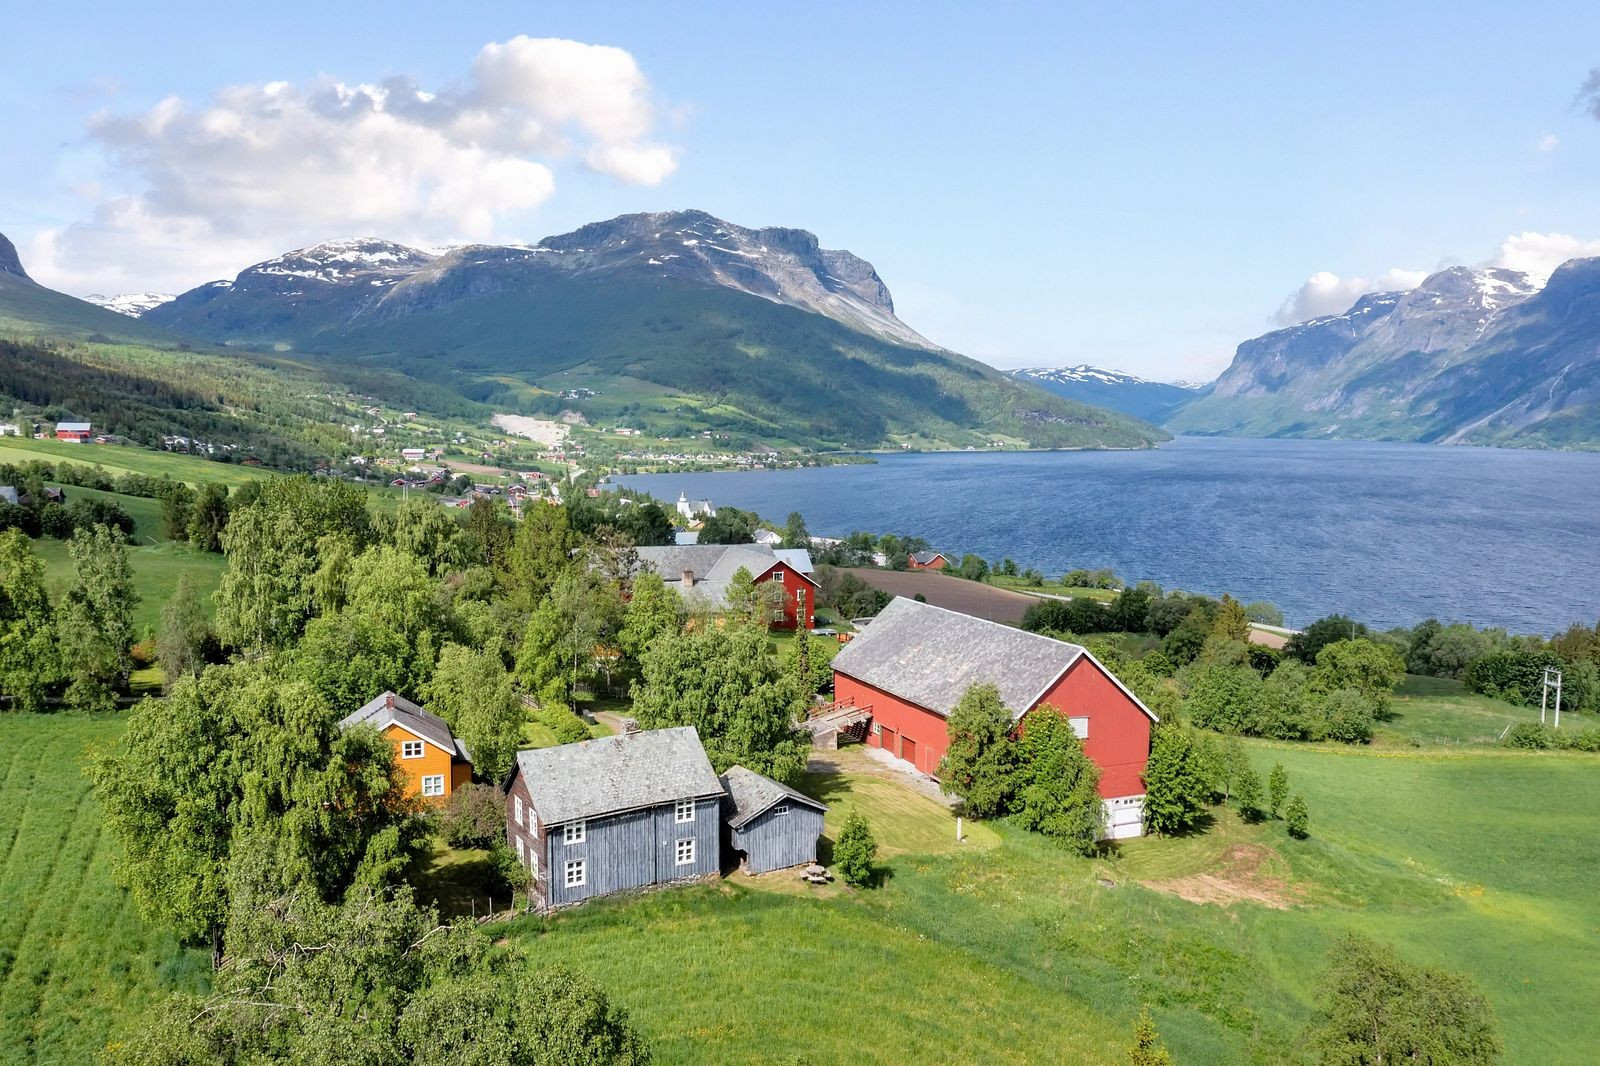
pixel 542 430
pixel 1238 879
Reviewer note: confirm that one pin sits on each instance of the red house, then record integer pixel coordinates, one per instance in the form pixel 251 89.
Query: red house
pixel 77 432
pixel 926 561
pixel 911 665
pixel 704 571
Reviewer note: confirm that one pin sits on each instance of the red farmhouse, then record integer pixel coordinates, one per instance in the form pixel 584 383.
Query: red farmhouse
pixel 703 572
pixel 913 663
pixel 926 561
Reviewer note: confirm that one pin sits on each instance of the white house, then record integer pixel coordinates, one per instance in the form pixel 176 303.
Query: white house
pixel 695 508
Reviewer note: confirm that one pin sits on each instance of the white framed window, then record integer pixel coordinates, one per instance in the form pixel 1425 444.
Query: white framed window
pixel 574 832
pixel 685 852
pixel 522 851
pixel 576 872
pixel 780 810
pixel 683 811
pixel 877 730
pixel 1080 726
pixel 433 785
pixel 411 749
pixel 517 818
pixel 533 821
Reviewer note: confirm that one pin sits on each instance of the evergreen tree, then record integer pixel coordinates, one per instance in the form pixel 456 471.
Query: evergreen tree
pixel 855 851
pixel 1277 788
pixel 540 553
pixel 980 764
pixel 1059 795
pixel 654 610
pixel 1231 623
pixel 1147 1048
pixel 176 506
pixel 1297 818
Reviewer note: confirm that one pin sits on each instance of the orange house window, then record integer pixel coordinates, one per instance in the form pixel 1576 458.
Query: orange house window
pixel 411 749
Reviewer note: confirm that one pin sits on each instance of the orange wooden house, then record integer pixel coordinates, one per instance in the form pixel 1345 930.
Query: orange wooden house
pixel 435 762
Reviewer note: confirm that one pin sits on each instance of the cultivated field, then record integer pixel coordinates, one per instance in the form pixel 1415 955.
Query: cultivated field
pixel 122 459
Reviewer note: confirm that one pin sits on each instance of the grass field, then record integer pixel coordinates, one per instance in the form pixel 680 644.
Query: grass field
pixel 122 459
pixel 75 958
pixel 1001 948
pixel 156 570
pixel 1432 712
pixel 1013 952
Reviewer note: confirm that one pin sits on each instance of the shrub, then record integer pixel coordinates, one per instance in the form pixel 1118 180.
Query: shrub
pixel 980 764
pixel 1177 781
pixel 1059 796
pixel 1530 735
pixel 1225 699
pixel 855 850
pixel 1297 818
pixel 1514 676
pixel 1348 716
pixel 567 726
pixel 473 817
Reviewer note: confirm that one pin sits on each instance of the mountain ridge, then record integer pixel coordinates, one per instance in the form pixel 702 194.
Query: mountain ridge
pixel 1471 356
pixel 1152 401
pixel 678 318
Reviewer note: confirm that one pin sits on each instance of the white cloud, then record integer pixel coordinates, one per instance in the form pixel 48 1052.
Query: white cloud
pixel 1549 142
pixel 258 169
pixel 1326 293
pixel 1540 253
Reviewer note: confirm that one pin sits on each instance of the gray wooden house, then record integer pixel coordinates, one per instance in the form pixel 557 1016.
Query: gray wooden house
pixel 774 826
pixel 614 813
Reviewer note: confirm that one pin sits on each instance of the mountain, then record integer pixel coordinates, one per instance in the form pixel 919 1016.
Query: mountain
pixel 132 304
pixel 675 322
pixel 29 309
pixel 1153 401
pixel 1470 356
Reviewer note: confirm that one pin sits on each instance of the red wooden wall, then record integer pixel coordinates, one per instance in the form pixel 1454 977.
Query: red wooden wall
pixel 793 582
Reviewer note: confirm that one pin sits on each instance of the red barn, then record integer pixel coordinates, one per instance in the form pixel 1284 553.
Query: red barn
pixel 912 664
pixel 926 561
pixel 76 432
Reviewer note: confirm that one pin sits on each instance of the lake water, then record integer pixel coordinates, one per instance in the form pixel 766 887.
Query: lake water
pixel 1386 533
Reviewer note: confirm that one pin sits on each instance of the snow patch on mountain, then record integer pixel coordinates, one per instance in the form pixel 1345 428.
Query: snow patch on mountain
pixel 132 304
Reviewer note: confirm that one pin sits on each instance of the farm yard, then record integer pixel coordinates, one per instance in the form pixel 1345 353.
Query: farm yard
pixel 998 949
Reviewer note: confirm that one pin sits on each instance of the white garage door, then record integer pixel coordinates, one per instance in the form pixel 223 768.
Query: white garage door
pixel 1124 817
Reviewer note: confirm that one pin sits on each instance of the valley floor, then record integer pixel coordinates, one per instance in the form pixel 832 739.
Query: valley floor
pixel 999 948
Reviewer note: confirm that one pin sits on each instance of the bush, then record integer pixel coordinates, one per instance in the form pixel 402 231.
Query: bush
pixel 855 850
pixel 473 817
pixel 1297 818
pixel 1348 716
pixel 1067 616
pixel 567 726
pixel 1248 790
pixel 1530 735
pixel 1514 676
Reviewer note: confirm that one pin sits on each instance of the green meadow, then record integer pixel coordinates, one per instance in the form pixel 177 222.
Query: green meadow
pixel 995 948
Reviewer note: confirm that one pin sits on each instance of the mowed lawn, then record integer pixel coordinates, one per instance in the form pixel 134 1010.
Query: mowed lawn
pixel 75 958
pixel 118 459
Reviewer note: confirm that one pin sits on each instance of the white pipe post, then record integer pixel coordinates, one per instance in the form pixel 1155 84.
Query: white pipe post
pixel 958 829
pixel 1558 699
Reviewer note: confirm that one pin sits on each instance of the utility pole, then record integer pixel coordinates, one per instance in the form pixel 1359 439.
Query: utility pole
pixel 1552 679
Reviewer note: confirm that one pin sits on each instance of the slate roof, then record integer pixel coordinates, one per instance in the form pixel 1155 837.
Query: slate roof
pixel 751 794
pixel 73 427
pixel 389 708
pixel 924 558
pixel 713 566
pixel 798 558
pixel 609 775
pixel 930 656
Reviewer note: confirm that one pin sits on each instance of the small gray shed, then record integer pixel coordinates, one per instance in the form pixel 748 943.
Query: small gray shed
pixel 773 825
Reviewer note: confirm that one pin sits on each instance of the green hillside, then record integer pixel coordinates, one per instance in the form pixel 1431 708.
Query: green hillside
pixel 662 352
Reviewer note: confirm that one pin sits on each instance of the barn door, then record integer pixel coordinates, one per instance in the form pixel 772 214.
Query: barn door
pixel 889 741
pixel 908 750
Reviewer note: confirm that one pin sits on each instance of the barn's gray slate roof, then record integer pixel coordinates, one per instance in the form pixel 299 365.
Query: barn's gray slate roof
pixel 930 656
pixel 798 558
pixel 713 566
pixel 751 794
pixel 609 775
pixel 389 707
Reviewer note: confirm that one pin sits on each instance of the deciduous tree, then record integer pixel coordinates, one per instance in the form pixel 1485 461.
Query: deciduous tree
pixel 980 764
pixel 180 645
pixel 1177 786
pixel 1277 788
pixel 855 851
pixel 1297 818
pixel 725 681
pixel 472 691
pixel 96 618
pixel 29 655
pixel 1059 796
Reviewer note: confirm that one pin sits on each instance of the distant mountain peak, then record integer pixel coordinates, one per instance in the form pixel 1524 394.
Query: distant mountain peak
pixel 10 263
pixel 1153 401
pixel 1081 372
pixel 345 258
pixel 132 304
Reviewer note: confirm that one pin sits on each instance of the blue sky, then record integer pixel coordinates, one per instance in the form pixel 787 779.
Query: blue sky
pixel 1038 184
